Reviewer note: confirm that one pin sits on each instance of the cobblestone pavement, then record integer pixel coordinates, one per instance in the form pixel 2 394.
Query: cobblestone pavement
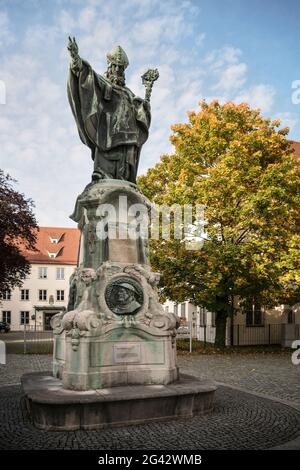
pixel 19 364
pixel 269 374
pixel 239 421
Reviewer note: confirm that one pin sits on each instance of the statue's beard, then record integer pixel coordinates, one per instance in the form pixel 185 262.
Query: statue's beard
pixel 115 78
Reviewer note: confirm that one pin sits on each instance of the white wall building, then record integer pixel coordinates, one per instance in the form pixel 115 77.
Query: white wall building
pixel 256 326
pixel 45 291
pixel 198 317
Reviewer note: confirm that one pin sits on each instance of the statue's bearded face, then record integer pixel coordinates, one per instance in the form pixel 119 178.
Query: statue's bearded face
pixel 124 296
pixel 116 74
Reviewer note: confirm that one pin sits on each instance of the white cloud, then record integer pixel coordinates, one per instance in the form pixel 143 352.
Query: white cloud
pixel 86 18
pixel 220 57
pixel 199 39
pixel 287 119
pixel 66 22
pixel 6 36
pixel 232 78
pixel 226 72
pixel 154 30
pixel 230 75
pixel 40 35
pixel 259 96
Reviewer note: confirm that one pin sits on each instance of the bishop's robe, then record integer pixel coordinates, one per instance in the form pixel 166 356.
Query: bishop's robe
pixel 111 120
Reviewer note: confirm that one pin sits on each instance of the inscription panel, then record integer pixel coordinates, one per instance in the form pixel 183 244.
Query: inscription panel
pixel 127 353
pixel 117 353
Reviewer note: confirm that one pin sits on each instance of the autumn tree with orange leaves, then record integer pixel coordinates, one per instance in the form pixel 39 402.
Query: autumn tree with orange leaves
pixel 242 168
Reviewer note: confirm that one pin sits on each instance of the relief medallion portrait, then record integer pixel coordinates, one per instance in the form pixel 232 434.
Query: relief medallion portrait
pixel 124 296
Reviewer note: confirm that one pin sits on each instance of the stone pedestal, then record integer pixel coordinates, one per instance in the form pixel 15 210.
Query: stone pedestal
pixel 54 408
pixel 114 360
pixel 115 331
pixel 120 355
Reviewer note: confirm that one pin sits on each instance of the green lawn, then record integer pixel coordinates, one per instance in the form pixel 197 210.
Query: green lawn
pixel 198 347
pixel 45 347
pixel 183 348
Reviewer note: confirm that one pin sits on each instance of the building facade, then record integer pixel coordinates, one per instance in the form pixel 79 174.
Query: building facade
pixel 45 290
pixel 252 325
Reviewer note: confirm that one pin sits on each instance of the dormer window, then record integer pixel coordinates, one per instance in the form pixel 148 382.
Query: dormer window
pixel 53 254
pixel 56 238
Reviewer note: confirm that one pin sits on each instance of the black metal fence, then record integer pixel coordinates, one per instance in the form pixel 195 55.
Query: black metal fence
pixel 243 335
pixel 206 333
pixel 36 340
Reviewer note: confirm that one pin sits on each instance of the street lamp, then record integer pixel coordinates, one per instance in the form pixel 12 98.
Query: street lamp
pixel 192 325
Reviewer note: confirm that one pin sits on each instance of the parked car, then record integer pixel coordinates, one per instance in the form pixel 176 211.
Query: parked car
pixel 183 331
pixel 4 327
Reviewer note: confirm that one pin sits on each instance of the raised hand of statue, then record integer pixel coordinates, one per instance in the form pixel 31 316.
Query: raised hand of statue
pixel 76 62
pixel 73 48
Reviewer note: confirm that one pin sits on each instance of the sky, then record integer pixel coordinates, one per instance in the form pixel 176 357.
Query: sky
pixel 231 50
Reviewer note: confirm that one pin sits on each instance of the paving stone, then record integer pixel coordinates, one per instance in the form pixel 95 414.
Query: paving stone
pixel 269 374
pixel 239 421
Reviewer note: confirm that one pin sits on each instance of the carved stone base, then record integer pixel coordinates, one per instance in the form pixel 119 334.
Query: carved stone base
pixel 115 331
pixel 96 348
pixel 122 356
pixel 53 408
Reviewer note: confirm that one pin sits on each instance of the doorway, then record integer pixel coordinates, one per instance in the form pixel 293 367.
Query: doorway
pixel 47 319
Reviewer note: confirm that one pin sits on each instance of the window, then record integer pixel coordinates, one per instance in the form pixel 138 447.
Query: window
pixel 42 294
pixel 167 308
pixel 6 316
pixel 24 318
pixel 183 310
pixel 254 315
pixel 42 272
pixel 60 273
pixel 6 295
pixel 24 294
pixel 60 295
pixel 202 316
pixel 176 309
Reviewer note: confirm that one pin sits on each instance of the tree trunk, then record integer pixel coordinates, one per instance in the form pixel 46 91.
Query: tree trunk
pixel 220 340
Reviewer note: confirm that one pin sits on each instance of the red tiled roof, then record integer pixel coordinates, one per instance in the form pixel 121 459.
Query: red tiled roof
pixel 296 148
pixel 65 251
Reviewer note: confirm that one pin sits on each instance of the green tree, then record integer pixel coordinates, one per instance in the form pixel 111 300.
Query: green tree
pixel 242 168
pixel 18 230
